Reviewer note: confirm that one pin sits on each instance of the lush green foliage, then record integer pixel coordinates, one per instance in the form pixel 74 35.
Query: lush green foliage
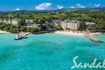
pixel 21 22
pixel 40 18
pixel 58 27
pixel 14 29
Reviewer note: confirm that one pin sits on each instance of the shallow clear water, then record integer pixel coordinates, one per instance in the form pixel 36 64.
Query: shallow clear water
pixel 48 52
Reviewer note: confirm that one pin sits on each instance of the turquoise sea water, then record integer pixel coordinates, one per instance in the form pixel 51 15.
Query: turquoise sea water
pixel 48 52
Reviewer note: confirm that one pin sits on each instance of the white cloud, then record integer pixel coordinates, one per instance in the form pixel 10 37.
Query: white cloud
pixel 72 7
pixel 96 5
pixel 43 6
pixel 60 7
pixel 17 9
pixel 80 6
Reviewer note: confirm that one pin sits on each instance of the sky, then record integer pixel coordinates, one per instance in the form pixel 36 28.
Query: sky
pixel 17 5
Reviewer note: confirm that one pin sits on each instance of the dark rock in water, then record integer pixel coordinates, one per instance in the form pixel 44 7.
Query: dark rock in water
pixel 100 41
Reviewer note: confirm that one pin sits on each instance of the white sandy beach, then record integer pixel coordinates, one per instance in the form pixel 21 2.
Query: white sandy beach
pixel 71 33
pixel 3 32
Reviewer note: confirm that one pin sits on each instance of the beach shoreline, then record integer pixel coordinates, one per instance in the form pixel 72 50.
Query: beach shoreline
pixel 75 33
pixel 63 32
pixel 3 32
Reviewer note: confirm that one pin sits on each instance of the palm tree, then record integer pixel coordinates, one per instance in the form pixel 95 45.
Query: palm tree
pixel 1 16
pixel 10 16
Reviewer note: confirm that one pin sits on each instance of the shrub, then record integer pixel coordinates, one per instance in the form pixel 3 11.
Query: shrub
pixel 67 28
pixel 58 27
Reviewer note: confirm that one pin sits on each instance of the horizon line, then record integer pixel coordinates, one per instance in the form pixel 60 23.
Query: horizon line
pixel 51 9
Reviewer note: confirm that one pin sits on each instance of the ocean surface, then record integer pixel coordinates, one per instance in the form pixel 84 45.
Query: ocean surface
pixel 48 52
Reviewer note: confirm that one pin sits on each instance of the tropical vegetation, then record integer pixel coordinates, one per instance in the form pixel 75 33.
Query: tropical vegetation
pixel 41 18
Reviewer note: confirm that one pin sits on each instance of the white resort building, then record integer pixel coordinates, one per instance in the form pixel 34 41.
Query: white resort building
pixel 66 24
pixel 72 25
pixel 13 21
pixel 30 23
